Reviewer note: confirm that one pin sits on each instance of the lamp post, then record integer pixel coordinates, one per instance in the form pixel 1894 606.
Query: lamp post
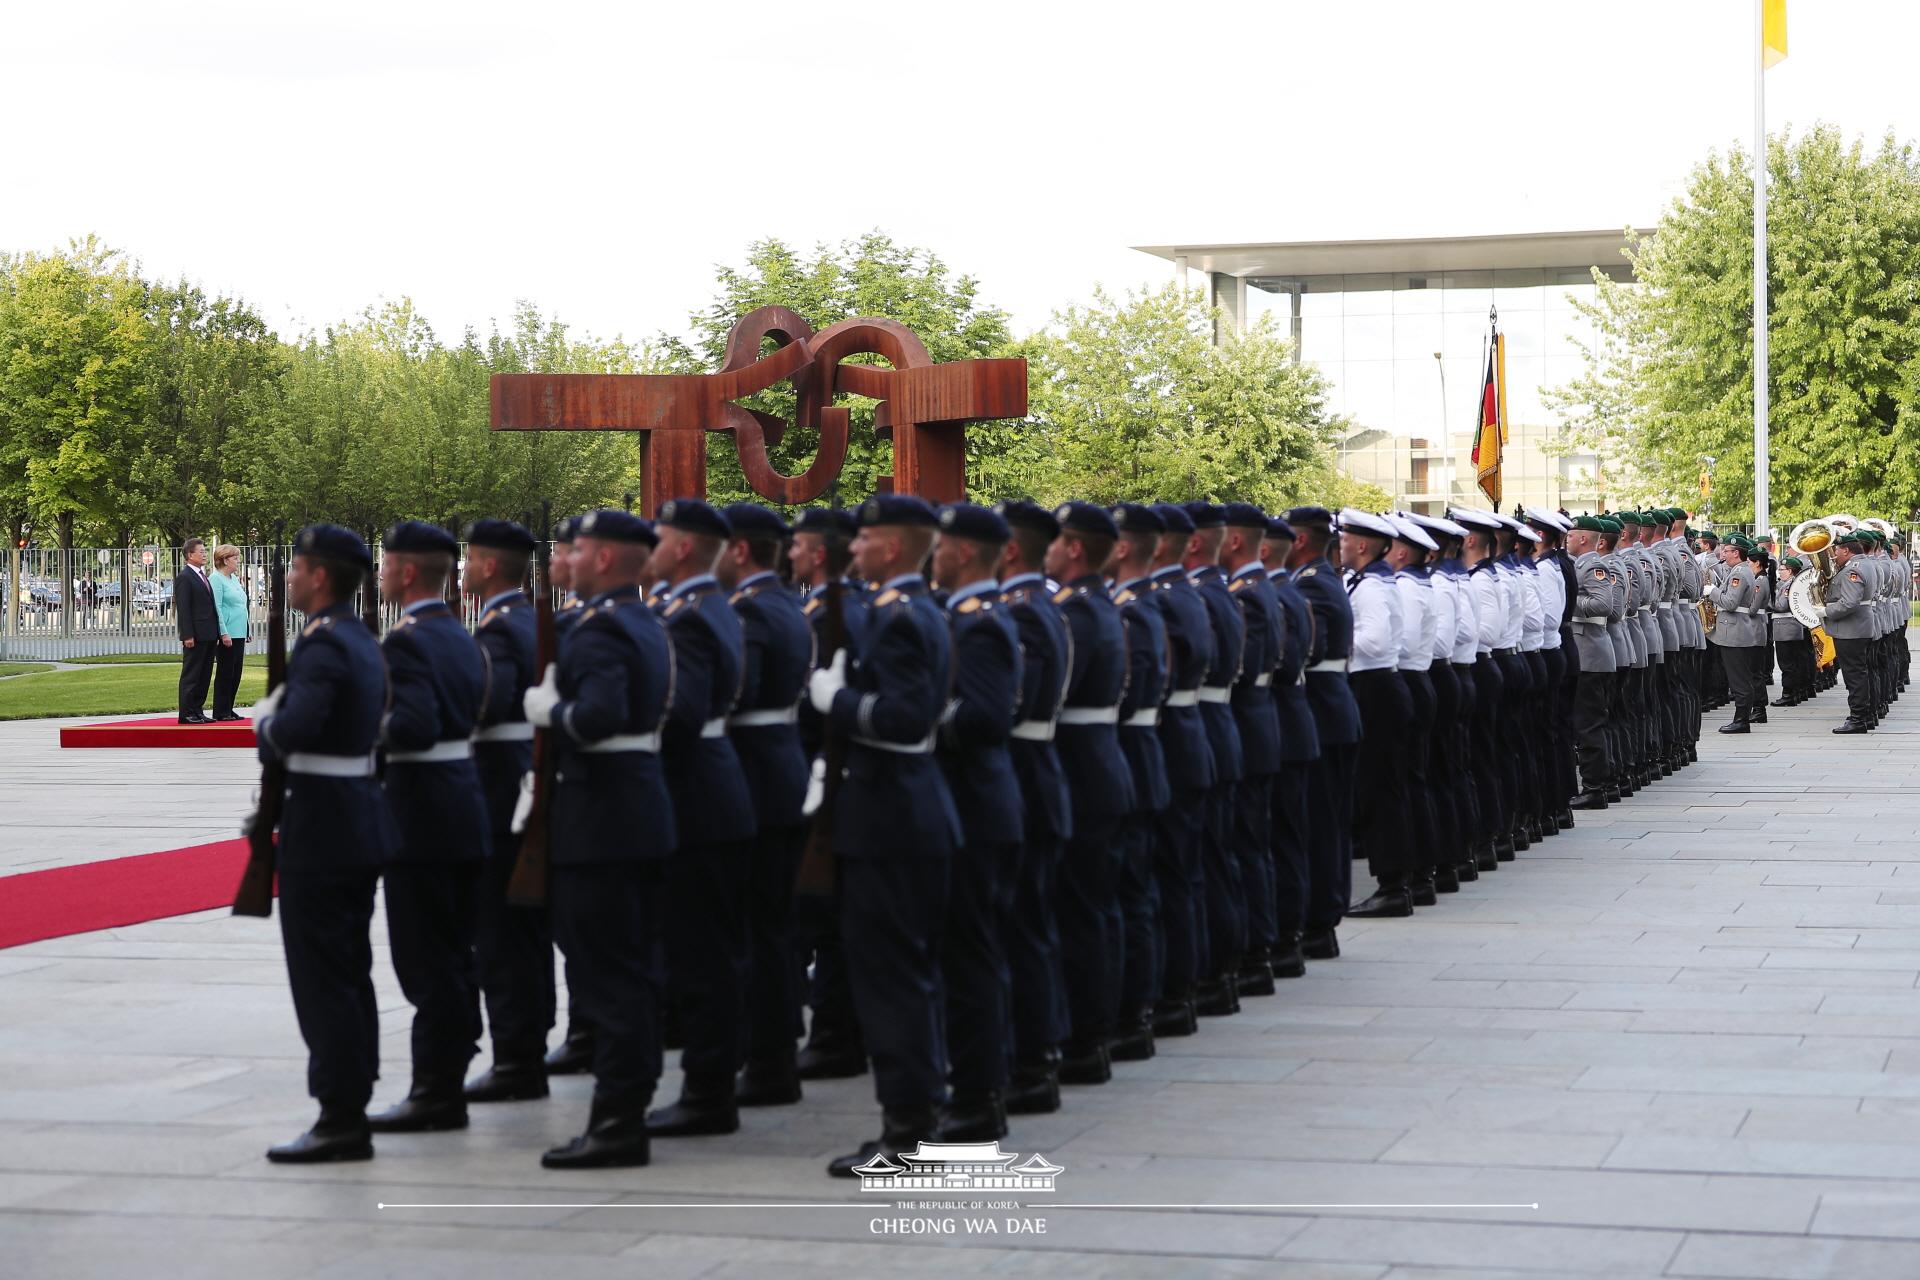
pixel 1453 469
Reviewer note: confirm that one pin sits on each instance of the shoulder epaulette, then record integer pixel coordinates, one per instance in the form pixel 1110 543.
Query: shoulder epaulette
pixel 1239 584
pixel 1063 595
pixel 318 624
pixel 1125 597
pixel 812 606
pixel 971 604
pixel 886 598
pixel 673 606
pixel 1308 572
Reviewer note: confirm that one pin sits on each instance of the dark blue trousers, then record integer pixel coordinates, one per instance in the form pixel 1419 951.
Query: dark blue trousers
pixel 325 924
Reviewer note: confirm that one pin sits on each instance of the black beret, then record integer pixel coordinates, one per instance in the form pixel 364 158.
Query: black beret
pixel 502 535
pixel 690 515
pixel 333 542
pixel 1086 517
pixel 965 520
pixel 418 535
pixel 1277 527
pixel 566 529
pixel 1176 517
pixel 1028 515
pixel 896 508
pixel 616 526
pixel 1134 518
pixel 1205 515
pixel 1312 517
pixel 1243 515
pixel 751 520
pixel 826 520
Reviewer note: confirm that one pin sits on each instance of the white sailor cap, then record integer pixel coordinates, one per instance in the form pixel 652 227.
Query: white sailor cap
pixel 1526 531
pixel 1354 520
pixel 1474 518
pixel 1405 529
pixel 1551 519
pixel 1438 524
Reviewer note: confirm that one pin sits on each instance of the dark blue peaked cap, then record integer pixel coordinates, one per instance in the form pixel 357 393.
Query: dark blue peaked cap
pixel 896 508
pixel 418 535
pixel 501 535
pixel 965 520
pixel 690 515
pixel 616 526
pixel 751 520
pixel 333 542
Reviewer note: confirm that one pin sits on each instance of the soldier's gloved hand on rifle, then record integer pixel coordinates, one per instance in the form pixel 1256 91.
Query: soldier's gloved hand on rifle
pixel 816 789
pixel 826 682
pixel 269 704
pixel 540 700
pixel 523 807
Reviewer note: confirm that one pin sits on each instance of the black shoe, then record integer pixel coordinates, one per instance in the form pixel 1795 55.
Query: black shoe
pixel 1320 944
pixel 196 718
pixel 1385 903
pixel 1135 1042
pixel 831 1062
pixel 1615 795
pixel 1736 726
pixel 1446 879
pixel 1783 701
pixel 221 717
pixel 1256 977
pixel 1423 892
pixel 1565 818
pixel 1175 1018
pixel 572 1056
pixel 1503 850
pixel 336 1135
pixel 767 1087
pixel 1758 715
pixel 1590 800
pixel 902 1129
pixel 1520 840
pixel 616 1138
pixel 1035 1089
pixel 974 1118
pixel 433 1105
pixel 1534 833
pixel 705 1107
pixel 508 1082
pixel 1085 1064
pixel 1486 858
pixel 1850 725
pixel 1466 873
pixel 1287 960
pixel 1216 998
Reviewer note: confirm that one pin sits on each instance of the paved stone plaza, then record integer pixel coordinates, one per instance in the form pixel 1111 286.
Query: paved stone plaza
pixel 1688 1032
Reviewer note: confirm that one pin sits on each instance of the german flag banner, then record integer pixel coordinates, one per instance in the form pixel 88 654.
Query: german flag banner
pixel 1489 444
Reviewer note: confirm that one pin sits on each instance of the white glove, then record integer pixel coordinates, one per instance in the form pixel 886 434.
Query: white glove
pixel 826 682
pixel 816 789
pixel 269 704
pixel 541 699
pixel 523 807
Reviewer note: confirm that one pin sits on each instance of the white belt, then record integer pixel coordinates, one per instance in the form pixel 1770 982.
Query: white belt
pixel 714 728
pixel 439 753
pixel 1089 715
pixel 1262 680
pixel 1743 609
pixel 762 718
pixel 1183 698
pixel 1589 622
pixel 920 748
pixel 1666 604
pixel 646 742
pixel 1034 731
pixel 318 766
pixel 1330 664
pixel 1408 666
pixel 1145 718
pixel 1213 693
pixel 508 731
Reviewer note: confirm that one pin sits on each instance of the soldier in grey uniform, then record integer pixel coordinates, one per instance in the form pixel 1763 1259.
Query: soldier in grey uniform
pixel 1741 632
pixel 1599 604
pixel 1791 645
pixel 1686 614
pixel 1628 656
pixel 1849 620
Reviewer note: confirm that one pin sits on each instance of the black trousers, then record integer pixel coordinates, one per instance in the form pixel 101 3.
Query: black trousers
pixel 1795 656
pixel 1590 730
pixel 1854 658
pixel 227 661
pixel 325 924
pixel 1747 692
pixel 973 964
pixel 1087 908
pixel 1491 780
pixel 892 913
pixel 1176 868
pixel 514 946
pixel 1330 833
pixel 1225 937
pixel 606 918
pixel 1033 954
pixel 1419 854
pixel 1516 699
pixel 431 909
pixel 1291 833
pixel 1380 795
pixel 1469 780
pixel 1142 951
pixel 1253 849
pixel 829 992
pixel 772 981
pixel 705 927
pixel 1447 845
pixel 196 673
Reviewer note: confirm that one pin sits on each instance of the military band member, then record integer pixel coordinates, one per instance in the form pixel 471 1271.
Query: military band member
pixel 605 702
pixel 1792 644
pixel 1299 749
pixel 1380 830
pixel 764 729
pixel 1849 620
pixel 335 836
pixel 895 826
pixel 975 727
pixel 1599 600
pixel 514 944
pixel 1224 900
pixel 1740 634
pixel 438 685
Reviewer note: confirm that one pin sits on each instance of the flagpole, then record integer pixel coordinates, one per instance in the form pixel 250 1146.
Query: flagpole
pixel 1762 516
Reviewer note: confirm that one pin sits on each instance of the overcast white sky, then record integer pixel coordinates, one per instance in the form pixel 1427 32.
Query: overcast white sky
pixel 599 159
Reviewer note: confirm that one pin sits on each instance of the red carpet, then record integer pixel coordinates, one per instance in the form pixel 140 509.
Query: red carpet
pixel 118 891
pixel 160 731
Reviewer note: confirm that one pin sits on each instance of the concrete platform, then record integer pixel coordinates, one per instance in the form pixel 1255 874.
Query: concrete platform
pixel 1688 1032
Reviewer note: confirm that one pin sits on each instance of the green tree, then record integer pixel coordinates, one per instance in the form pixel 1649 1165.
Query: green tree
pixel 1669 380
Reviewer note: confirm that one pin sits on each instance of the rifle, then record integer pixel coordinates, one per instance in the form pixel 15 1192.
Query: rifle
pixel 255 894
pixel 527 887
pixel 814 877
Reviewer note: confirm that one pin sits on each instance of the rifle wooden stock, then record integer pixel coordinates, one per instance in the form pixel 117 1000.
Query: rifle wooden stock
pixel 255 894
pixel 527 886
pixel 815 875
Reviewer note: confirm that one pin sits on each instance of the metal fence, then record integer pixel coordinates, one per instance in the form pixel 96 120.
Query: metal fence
pixel 97 600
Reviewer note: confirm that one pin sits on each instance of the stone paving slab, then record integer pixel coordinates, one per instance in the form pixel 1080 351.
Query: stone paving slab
pixel 1688 1031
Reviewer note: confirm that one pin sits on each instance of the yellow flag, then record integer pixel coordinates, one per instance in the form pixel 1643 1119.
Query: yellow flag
pixel 1773 31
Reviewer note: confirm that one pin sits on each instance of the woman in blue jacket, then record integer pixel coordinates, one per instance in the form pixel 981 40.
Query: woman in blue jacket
pixel 230 602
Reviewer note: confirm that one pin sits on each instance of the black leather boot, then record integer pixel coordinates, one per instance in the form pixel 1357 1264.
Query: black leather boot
pixel 1085 1064
pixel 1388 901
pixel 974 1117
pixel 574 1055
pixel 1256 976
pixel 435 1103
pixel 1590 800
pixel 341 1133
pixel 766 1084
pixel 616 1137
pixel 832 1059
pixel 509 1080
pixel 1320 944
pixel 1286 957
pixel 1134 1042
pixel 1036 1086
pixel 1423 891
pixel 706 1106
pixel 902 1129
pixel 1175 1017
pixel 1446 879
pixel 1217 998
pixel 1486 857
pixel 1466 872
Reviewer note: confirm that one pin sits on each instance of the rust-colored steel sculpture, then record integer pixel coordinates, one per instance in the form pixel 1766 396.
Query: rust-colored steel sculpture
pixel 923 406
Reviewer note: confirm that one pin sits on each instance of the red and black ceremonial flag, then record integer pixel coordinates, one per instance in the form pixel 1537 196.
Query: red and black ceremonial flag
pixel 1490 440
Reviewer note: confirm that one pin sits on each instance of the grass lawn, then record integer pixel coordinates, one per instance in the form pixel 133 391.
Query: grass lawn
pixel 22 668
pixel 115 659
pixel 110 692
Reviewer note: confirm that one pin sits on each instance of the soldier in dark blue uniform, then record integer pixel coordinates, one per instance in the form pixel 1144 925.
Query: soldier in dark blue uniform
pixel 1259 725
pixel 1142 954
pixel 1299 748
pixel 514 944
pixel 821 554
pixel 605 702
pixel 1087 905
pixel 764 727
pixel 895 827
pixel 335 835
pixel 1336 719
pixel 1033 936
pixel 1183 741
pixel 438 687
pixel 1222 892
pixel 574 1054
pixel 706 895
pixel 975 728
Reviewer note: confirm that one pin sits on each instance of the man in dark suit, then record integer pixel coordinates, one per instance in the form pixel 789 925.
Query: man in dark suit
pixel 199 626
